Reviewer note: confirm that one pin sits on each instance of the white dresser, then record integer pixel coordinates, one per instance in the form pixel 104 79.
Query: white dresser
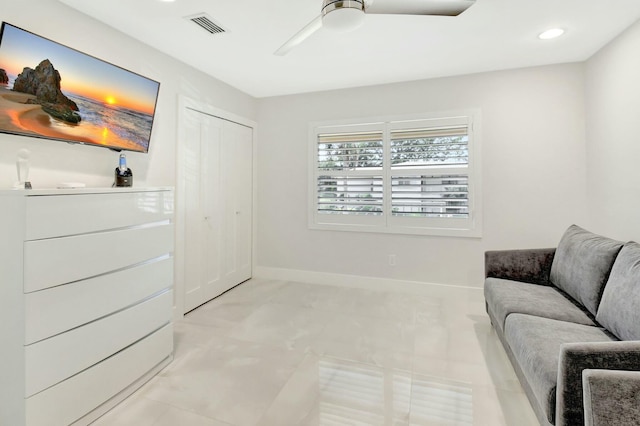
pixel 86 297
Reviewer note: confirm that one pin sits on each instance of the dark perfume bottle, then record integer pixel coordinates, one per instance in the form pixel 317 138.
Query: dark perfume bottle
pixel 124 176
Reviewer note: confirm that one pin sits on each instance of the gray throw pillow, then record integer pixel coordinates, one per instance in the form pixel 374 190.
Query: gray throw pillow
pixel 582 264
pixel 619 310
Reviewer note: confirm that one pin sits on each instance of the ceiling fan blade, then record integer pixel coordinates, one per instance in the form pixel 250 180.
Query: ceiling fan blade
pixel 418 7
pixel 300 36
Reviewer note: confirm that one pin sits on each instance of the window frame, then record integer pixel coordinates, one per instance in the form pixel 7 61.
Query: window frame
pixel 387 222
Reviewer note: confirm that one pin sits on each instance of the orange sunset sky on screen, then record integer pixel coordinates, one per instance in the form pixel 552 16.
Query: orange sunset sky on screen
pixel 104 95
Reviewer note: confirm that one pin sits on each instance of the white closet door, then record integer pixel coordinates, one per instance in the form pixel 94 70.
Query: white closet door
pixel 218 206
pixel 238 173
pixel 203 210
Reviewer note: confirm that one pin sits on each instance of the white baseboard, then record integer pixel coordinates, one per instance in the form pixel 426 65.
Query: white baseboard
pixel 356 281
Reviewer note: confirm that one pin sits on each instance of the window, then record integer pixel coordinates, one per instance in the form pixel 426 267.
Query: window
pixel 401 176
pixel 350 178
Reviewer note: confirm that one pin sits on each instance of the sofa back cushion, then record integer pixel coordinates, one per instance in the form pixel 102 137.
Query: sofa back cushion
pixel 582 264
pixel 619 311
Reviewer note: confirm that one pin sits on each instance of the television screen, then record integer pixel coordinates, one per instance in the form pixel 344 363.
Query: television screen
pixel 51 91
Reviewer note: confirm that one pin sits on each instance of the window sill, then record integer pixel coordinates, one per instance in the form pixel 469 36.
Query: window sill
pixel 401 230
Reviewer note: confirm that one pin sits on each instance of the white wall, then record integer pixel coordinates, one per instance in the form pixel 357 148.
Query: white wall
pixel 534 173
pixel 613 137
pixel 54 162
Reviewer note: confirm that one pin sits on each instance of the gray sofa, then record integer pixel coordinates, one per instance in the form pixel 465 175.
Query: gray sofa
pixel 569 319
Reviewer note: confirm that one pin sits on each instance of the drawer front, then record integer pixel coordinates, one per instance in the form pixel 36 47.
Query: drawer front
pixel 55 310
pixel 61 215
pixel 57 261
pixel 70 400
pixel 53 360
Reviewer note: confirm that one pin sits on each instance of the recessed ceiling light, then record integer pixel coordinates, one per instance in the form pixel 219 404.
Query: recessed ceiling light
pixel 552 33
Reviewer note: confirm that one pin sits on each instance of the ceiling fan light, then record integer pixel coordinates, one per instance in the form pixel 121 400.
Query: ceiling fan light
pixel 343 16
pixel 551 34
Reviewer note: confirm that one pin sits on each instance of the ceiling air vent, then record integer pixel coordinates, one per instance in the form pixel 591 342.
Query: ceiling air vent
pixel 204 21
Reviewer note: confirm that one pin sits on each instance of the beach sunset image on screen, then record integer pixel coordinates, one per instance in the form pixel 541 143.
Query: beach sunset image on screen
pixel 48 90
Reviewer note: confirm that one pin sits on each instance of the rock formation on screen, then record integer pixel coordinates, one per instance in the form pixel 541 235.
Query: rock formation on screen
pixel 4 78
pixel 44 84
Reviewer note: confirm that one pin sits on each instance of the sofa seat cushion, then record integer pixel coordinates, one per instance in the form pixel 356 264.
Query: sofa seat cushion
pixel 535 343
pixel 619 311
pixel 582 264
pixel 506 297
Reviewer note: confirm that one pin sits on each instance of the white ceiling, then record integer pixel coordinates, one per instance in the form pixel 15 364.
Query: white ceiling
pixel 491 35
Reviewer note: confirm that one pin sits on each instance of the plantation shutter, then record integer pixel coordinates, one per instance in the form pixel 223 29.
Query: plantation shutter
pixel 350 174
pixel 417 176
pixel 429 172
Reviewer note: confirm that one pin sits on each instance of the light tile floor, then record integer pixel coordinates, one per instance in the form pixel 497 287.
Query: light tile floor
pixel 273 353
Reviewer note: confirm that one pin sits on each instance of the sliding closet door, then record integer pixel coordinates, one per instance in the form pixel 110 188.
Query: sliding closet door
pixel 218 206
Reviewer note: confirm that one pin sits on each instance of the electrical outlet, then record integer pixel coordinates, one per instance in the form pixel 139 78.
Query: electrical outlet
pixel 392 260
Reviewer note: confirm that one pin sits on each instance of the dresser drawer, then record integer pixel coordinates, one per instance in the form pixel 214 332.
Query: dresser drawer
pixel 55 310
pixel 60 215
pixel 56 261
pixel 70 400
pixel 53 360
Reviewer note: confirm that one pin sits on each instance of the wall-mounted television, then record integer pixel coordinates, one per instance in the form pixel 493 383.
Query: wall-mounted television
pixel 51 91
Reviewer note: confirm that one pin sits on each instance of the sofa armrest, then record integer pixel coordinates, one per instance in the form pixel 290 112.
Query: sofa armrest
pixel 611 397
pixel 530 266
pixel 576 357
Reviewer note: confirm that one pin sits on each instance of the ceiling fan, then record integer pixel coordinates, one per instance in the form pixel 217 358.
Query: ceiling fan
pixel 347 15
